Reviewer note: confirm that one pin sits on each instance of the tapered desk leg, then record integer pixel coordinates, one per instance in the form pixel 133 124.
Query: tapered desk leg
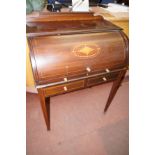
pixel 114 89
pixel 45 105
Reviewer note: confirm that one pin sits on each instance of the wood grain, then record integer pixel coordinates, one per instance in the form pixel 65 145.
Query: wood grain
pixel 72 51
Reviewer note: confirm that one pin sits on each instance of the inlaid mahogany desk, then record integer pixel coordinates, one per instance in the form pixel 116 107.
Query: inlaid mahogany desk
pixel 120 19
pixel 72 51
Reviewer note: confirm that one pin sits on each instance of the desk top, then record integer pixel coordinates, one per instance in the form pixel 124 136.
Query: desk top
pixel 111 16
pixel 67 23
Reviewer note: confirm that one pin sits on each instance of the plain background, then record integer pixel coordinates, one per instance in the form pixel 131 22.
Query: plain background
pixel 13 78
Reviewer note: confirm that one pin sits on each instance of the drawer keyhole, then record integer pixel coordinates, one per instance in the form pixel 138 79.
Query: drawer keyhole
pixel 65 88
pixel 88 69
pixel 107 70
pixel 65 79
pixel 104 79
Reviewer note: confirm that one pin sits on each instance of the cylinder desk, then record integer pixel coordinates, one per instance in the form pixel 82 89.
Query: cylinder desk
pixel 73 51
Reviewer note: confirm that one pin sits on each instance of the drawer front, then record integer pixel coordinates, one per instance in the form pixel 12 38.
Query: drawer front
pixel 55 90
pixel 102 79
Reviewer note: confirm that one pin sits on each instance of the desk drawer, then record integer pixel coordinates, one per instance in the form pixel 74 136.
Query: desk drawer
pixel 55 90
pixel 102 79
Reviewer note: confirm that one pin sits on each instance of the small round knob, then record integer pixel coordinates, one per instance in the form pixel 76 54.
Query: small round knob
pixel 107 70
pixel 65 79
pixel 104 79
pixel 65 88
pixel 88 69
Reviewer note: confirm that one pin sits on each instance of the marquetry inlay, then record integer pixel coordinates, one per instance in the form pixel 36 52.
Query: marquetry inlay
pixel 86 50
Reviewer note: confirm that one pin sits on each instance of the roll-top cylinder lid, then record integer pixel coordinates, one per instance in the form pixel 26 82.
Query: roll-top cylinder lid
pixel 73 45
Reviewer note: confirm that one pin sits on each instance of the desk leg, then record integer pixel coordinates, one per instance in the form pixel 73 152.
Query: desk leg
pixel 114 89
pixel 45 105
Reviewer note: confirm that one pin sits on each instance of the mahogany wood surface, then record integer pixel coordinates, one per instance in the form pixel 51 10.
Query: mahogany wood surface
pixel 114 88
pixel 72 51
pixel 67 23
pixel 45 107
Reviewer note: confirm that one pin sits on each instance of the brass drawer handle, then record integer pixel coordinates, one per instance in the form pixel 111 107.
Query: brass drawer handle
pixel 107 70
pixel 104 79
pixel 88 69
pixel 65 88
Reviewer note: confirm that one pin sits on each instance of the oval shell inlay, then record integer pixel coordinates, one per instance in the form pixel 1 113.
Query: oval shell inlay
pixel 86 50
